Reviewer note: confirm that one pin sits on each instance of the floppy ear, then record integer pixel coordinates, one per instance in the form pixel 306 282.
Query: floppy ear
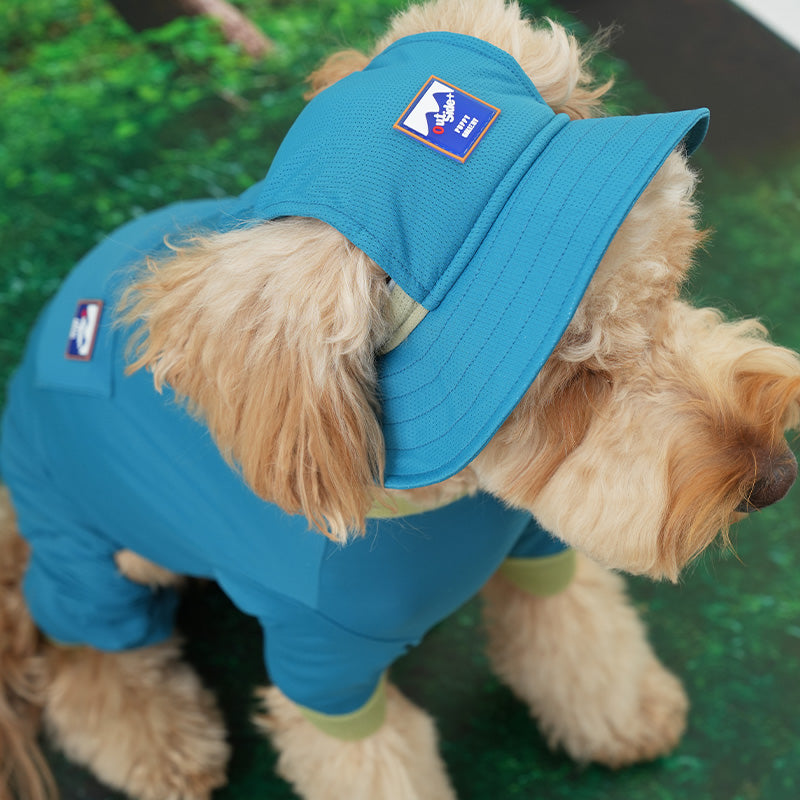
pixel 335 67
pixel 268 332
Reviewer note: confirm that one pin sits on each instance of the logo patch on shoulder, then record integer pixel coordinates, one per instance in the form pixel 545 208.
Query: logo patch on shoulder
pixel 83 330
pixel 447 118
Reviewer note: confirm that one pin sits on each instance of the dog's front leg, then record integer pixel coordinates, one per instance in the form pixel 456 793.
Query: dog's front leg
pixel 581 661
pixel 400 761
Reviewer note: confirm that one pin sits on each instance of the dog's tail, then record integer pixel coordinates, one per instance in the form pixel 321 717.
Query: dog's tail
pixel 23 675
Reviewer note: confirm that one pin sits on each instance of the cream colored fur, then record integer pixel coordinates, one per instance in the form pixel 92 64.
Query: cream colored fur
pixel 683 430
pixel 649 425
pixel 282 316
pixel 561 654
pixel 140 570
pixel 24 673
pixel 141 721
pixel 400 761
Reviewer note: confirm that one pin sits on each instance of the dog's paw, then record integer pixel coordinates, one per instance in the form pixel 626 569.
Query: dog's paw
pixel 400 761
pixel 183 756
pixel 582 663
pixel 620 734
pixel 140 721
pixel 178 770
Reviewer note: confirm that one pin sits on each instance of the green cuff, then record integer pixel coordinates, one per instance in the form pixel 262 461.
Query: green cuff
pixel 391 507
pixel 357 724
pixel 542 577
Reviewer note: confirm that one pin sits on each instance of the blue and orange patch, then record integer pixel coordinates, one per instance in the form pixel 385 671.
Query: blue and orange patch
pixel 447 118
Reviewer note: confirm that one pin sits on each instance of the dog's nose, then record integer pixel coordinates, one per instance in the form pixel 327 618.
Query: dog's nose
pixel 776 472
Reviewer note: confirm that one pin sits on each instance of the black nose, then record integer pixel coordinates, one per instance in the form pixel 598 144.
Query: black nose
pixel 776 472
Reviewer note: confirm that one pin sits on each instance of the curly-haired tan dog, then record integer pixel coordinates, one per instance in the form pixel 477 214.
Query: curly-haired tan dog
pixel 650 427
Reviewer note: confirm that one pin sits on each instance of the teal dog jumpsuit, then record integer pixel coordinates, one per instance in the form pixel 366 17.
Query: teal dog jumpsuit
pixel 97 461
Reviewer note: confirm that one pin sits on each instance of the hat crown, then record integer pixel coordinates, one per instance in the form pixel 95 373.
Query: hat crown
pixel 496 239
pixel 357 157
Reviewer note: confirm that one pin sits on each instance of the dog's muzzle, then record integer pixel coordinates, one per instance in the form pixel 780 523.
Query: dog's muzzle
pixel 776 472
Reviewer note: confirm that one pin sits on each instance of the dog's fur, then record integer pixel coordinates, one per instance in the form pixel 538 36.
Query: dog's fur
pixel 649 426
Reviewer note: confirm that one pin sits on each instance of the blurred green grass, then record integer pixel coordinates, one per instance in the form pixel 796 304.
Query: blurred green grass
pixel 98 125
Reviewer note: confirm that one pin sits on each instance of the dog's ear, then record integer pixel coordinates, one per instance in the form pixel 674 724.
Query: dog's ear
pixel 335 67
pixel 559 66
pixel 268 333
pixel 553 58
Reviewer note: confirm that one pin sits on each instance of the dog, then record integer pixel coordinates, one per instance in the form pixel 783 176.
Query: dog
pixel 441 348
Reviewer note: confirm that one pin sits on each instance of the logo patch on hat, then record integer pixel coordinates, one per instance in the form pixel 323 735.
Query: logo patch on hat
pixel 83 330
pixel 447 118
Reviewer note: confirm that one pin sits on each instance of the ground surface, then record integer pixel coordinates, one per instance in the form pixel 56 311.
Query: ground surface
pixel 732 627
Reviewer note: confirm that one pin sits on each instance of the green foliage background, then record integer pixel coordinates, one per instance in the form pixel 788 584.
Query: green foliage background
pixel 98 125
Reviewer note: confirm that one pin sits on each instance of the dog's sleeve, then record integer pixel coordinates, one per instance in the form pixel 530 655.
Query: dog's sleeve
pixel 77 596
pixel 334 674
pixel 331 671
pixel 539 563
pixel 72 586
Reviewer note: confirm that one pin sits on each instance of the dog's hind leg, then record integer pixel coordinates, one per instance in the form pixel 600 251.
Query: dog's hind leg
pixel 140 570
pixel 139 720
pixel 400 761
pixel 23 673
pixel 581 661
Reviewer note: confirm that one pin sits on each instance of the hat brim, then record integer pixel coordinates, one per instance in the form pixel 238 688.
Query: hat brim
pixel 451 384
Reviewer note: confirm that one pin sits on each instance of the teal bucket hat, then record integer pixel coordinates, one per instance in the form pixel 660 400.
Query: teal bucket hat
pixel 489 212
